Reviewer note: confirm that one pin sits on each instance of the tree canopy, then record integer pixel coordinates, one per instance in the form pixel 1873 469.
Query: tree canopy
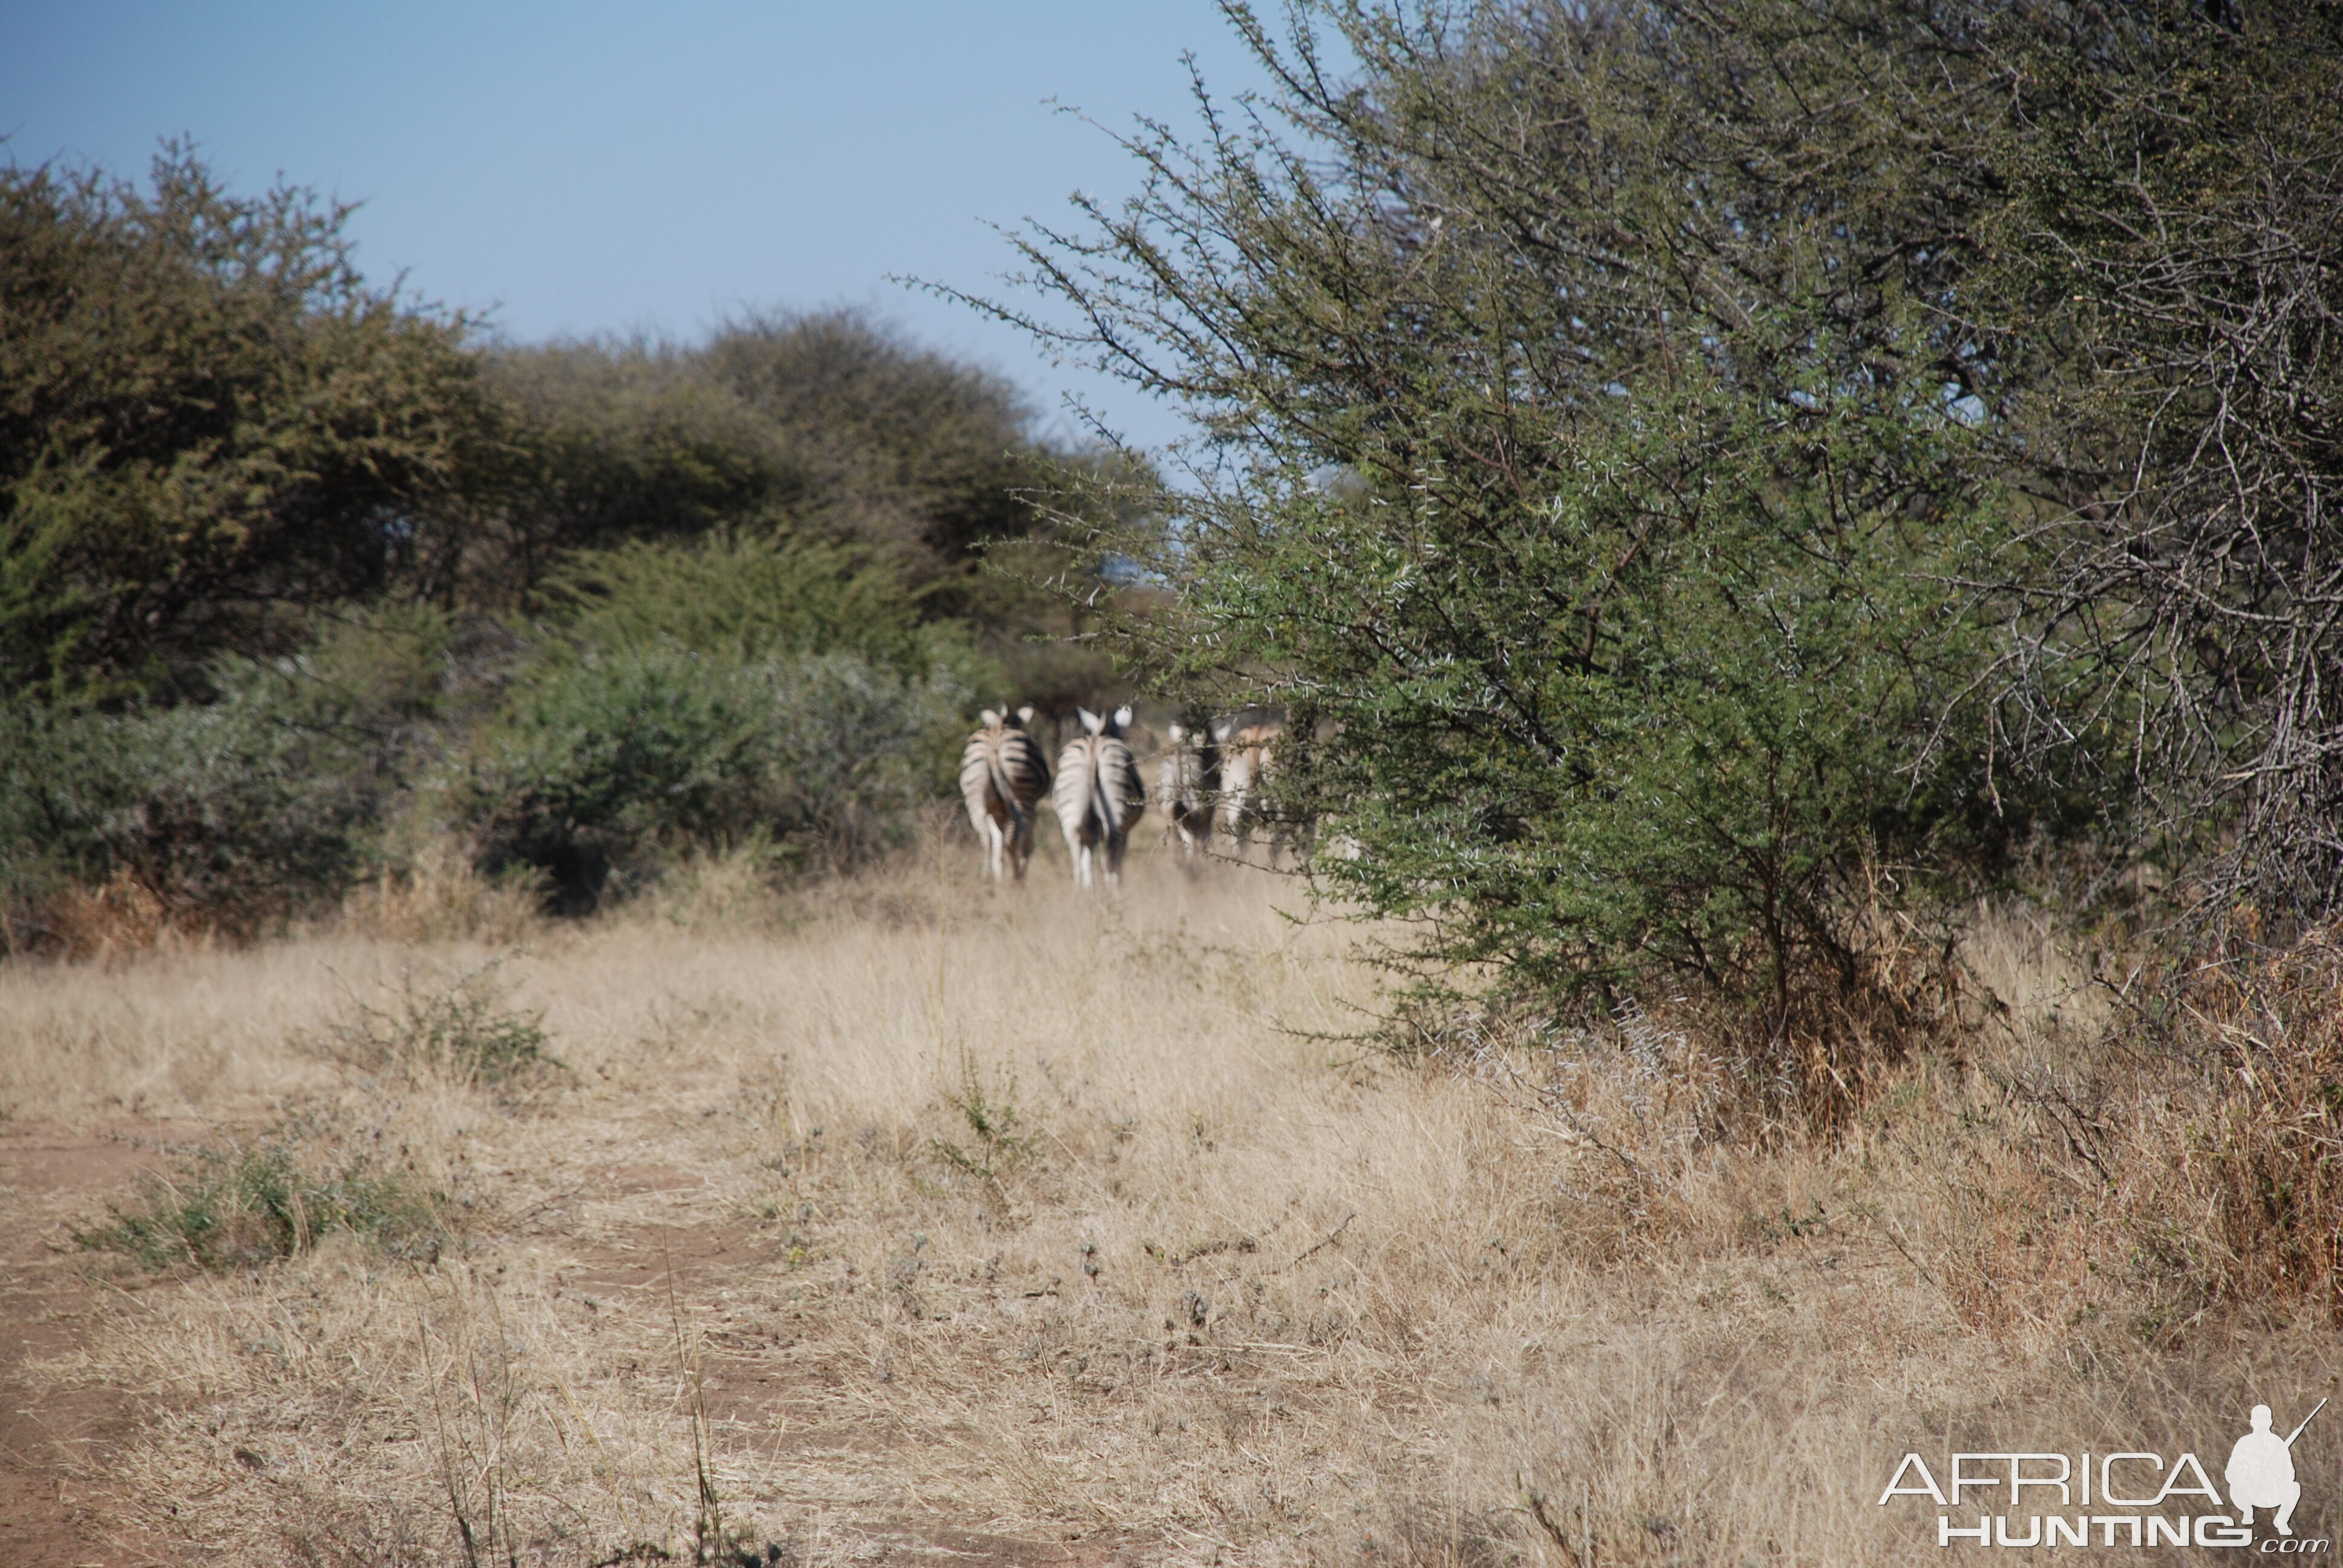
pixel 205 415
pixel 295 570
pixel 828 424
pixel 1704 474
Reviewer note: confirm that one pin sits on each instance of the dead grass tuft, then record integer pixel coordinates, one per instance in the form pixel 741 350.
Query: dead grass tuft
pixel 2254 1054
pixel 439 896
pixel 116 917
pixel 459 1032
pixel 730 891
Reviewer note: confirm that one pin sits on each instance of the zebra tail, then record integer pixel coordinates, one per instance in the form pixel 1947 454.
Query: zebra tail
pixel 1001 784
pixel 1069 789
pixel 1109 820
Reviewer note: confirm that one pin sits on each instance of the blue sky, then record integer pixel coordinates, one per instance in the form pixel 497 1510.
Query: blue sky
pixel 585 167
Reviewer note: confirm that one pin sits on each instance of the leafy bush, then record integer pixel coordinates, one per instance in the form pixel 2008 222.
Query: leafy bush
pixel 230 1205
pixel 611 763
pixel 1737 746
pixel 233 813
pixel 672 702
pixel 228 815
pixel 766 693
pixel 743 598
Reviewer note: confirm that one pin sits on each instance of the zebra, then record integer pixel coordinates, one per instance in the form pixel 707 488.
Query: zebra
pixel 1185 783
pixel 1099 795
pixel 1002 774
pixel 1248 741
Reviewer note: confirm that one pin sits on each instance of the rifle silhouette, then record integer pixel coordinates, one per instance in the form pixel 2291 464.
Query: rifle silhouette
pixel 2305 1422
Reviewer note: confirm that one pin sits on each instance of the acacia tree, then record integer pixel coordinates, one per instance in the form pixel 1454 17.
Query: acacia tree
pixel 1706 470
pixel 1573 454
pixel 207 419
pixel 2163 311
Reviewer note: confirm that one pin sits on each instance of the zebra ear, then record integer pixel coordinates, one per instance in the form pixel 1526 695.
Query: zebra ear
pixel 1177 735
pixel 1221 731
pixel 1025 714
pixel 1091 721
pixel 990 718
pixel 1121 719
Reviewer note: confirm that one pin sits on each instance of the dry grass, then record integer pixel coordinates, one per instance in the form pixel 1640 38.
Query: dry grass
pixel 439 897
pixel 924 1207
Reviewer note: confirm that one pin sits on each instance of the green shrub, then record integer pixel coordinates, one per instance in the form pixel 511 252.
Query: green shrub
pixel 229 814
pixel 236 811
pixel 232 1204
pixel 998 1147
pixel 622 759
pixel 747 599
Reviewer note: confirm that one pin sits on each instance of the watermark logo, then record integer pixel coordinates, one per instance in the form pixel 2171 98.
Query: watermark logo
pixel 2129 1499
pixel 2261 1470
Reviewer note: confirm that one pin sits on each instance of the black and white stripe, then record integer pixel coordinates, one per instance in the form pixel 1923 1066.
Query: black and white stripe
pixel 1099 795
pixel 1002 774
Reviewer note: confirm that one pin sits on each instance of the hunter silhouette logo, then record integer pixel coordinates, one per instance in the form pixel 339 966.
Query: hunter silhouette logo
pixel 2131 1498
pixel 2261 1470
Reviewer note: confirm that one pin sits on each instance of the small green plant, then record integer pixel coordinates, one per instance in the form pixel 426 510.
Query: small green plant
pixel 462 1031
pixel 991 1116
pixel 231 1204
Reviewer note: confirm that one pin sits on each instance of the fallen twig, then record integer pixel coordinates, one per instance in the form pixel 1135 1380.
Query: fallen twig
pixel 1331 1238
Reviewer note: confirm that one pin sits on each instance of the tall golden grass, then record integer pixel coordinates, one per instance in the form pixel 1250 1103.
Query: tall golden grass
pixel 915 1211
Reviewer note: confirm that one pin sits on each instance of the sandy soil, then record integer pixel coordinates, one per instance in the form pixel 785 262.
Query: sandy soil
pixel 55 1441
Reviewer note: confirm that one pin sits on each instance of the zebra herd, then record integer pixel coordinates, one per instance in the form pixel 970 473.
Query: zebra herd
pixel 1210 776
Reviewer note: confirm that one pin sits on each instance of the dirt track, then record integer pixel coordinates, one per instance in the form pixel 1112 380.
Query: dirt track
pixel 55 1443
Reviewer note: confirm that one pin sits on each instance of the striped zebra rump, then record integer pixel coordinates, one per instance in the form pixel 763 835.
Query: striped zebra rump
pixel 1002 774
pixel 1249 741
pixel 1185 784
pixel 1098 796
